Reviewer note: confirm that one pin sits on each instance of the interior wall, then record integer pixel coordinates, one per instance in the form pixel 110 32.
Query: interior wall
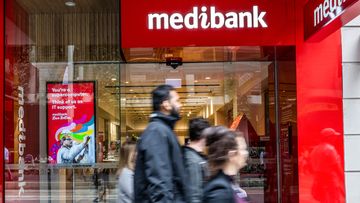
pixel 53 32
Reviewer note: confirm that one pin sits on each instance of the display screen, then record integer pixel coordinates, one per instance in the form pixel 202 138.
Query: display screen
pixel 71 122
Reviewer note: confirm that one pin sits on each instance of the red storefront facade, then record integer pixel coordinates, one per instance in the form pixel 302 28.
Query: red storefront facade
pixel 318 75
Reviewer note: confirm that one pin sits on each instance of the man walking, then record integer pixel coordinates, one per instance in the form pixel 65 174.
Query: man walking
pixel 195 162
pixel 159 171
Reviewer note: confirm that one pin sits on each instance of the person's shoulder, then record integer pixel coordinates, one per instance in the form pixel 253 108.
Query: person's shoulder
pixel 154 126
pixel 126 174
pixel 191 155
pixel 217 183
pixel 61 149
pixel 218 190
pixel 127 171
pixel 152 134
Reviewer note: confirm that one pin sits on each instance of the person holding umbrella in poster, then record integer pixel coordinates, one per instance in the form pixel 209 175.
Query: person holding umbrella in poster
pixel 69 153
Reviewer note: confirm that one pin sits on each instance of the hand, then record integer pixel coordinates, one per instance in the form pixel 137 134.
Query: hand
pixel 87 139
pixel 80 158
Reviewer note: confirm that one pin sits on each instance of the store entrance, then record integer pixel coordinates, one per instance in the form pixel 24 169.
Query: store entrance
pixel 237 94
pixel 68 78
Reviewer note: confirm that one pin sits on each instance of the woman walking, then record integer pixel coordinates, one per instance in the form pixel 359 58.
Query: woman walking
pixel 227 154
pixel 126 171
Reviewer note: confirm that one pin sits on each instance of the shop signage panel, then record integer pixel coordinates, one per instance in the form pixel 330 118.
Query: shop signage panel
pixel 71 122
pixel 160 23
pixel 328 15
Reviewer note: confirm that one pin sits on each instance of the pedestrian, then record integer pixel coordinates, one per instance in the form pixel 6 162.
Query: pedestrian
pixel 227 154
pixel 159 170
pixel 194 159
pixel 126 172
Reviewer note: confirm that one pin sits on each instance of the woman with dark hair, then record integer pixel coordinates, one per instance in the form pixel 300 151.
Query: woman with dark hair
pixel 126 171
pixel 227 154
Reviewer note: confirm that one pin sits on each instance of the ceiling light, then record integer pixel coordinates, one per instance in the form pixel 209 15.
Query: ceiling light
pixel 196 81
pixel 207 78
pixel 131 90
pixel 113 79
pixel 127 82
pixel 70 3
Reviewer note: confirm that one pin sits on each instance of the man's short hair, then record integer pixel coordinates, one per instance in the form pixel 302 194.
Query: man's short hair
pixel 159 95
pixel 63 138
pixel 196 127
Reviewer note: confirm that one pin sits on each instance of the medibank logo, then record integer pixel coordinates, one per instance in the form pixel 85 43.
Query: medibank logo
pixel 325 9
pixel 207 20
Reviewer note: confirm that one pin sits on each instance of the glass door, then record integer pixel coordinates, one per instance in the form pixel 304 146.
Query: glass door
pixel 238 95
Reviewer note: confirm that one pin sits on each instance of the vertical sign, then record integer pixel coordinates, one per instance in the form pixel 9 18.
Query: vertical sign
pixel 71 122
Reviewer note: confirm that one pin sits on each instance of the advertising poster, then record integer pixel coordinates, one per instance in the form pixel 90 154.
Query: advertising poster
pixel 71 122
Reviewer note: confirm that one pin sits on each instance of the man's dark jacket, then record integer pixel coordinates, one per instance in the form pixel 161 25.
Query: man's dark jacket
pixel 196 168
pixel 159 171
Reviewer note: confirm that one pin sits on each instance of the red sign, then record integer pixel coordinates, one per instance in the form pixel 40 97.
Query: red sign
pixel 160 23
pixel 328 15
pixel 71 122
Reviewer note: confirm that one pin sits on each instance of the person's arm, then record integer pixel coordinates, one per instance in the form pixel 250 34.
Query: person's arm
pixel 158 167
pixel 126 186
pixel 75 150
pixel 195 181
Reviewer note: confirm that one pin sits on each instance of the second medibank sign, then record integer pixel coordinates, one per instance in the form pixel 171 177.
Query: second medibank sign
pixel 171 23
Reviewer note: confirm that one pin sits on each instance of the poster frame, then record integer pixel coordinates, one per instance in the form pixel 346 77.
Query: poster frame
pixel 95 121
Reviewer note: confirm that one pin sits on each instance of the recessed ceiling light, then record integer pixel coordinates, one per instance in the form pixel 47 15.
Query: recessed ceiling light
pixel 207 78
pixel 113 79
pixel 196 81
pixel 70 3
pixel 127 82
pixel 131 90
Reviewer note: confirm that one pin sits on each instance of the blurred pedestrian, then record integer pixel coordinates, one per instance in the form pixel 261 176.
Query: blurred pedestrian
pixel 194 158
pixel 126 173
pixel 159 170
pixel 227 154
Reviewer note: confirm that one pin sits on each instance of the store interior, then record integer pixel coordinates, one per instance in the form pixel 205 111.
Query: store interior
pixel 241 87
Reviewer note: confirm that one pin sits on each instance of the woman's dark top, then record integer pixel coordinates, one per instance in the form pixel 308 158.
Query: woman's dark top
pixel 222 188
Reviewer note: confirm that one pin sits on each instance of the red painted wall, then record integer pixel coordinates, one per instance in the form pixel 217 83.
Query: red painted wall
pixel 320 115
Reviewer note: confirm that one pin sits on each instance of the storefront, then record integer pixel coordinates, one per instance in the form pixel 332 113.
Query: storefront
pixel 85 68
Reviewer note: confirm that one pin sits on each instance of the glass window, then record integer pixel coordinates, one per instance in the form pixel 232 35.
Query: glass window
pixel 73 97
